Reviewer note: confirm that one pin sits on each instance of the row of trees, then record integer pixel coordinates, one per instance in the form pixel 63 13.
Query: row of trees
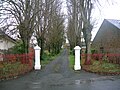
pixel 79 21
pixel 43 19
pixel 39 18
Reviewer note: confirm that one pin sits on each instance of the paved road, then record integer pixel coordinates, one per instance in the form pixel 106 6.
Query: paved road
pixel 58 76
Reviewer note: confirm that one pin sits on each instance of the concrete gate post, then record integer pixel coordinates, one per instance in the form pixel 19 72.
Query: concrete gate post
pixel 77 58
pixel 37 58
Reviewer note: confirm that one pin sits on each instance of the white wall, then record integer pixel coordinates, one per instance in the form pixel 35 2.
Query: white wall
pixel 5 44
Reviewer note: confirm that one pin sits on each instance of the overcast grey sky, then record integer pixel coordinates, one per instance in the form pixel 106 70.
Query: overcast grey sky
pixel 105 9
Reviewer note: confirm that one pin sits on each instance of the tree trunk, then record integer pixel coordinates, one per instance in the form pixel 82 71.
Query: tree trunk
pixel 88 48
pixel 88 54
pixel 26 45
pixel 40 41
pixel 42 49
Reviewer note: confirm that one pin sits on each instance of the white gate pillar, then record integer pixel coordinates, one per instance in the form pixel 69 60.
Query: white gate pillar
pixel 37 58
pixel 77 58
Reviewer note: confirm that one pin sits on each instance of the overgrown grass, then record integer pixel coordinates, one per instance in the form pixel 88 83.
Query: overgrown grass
pixel 71 61
pixel 103 67
pixel 8 70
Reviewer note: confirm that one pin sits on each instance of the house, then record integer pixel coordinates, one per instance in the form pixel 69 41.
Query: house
pixel 6 41
pixel 107 39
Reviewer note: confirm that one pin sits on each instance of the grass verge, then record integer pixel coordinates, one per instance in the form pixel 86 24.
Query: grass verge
pixel 71 61
pixel 103 68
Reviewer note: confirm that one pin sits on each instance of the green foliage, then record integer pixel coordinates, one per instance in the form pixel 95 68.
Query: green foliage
pixel 104 67
pixel 46 55
pixel 12 69
pixel 18 48
pixel 93 51
pixel 96 63
pixel 47 58
pixel 72 52
pixel 71 60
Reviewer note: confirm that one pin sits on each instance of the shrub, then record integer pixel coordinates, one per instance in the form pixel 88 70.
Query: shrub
pixel 17 49
pixel 10 70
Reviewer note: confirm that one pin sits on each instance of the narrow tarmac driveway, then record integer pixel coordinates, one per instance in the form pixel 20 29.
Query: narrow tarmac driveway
pixel 58 76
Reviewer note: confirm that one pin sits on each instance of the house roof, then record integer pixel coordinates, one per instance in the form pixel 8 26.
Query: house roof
pixel 114 22
pixel 7 37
